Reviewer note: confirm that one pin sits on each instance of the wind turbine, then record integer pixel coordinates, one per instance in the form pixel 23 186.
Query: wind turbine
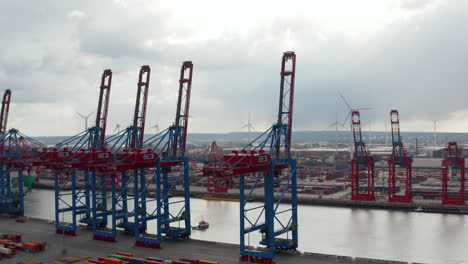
pixel 349 114
pixel 351 109
pixel 335 124
pixel 248 126
pixel 117 128
pixel 157 127
pixel 85 118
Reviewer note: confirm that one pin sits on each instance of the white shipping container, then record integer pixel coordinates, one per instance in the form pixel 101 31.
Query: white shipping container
pixel 5 251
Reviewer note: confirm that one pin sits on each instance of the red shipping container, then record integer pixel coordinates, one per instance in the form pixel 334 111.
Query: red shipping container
pixel 191 261
pixel 112 261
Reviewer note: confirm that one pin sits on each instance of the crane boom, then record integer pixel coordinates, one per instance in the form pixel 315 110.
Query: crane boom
pixel 139 117
pixel 360 150
pixel 398 151
pixel 183 107
pixel 286 99
pixel 5 110
pixel 103 106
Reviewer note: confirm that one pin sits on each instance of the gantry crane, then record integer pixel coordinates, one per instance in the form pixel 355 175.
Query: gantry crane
pixel 86 153
pixel 129 162
pixel 453 167
pixel 361 163
pixel 172 217
pixel 267 160
pixel 9 194
pixel 16 149
pixel 398 159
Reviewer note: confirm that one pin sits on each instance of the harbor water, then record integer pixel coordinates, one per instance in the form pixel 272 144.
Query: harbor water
pixel 382 234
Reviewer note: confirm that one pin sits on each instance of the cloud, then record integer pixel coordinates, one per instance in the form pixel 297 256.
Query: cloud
pixel 409 55
pixel 77 14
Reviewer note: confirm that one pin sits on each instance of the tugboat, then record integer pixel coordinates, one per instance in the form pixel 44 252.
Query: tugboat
pixel 202 225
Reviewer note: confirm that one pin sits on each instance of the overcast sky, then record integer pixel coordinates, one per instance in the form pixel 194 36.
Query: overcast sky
pixel 409 55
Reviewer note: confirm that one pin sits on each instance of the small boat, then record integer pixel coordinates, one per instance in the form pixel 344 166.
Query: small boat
pixel 202 225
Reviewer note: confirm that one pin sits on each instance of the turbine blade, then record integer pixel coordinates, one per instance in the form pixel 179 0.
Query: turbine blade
pixel 347 117
pixel 80 115
pixel 344 100
pixel 89 114
pixel 332 124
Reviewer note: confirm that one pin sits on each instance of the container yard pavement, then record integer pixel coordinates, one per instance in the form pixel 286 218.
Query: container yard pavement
pixel 83 245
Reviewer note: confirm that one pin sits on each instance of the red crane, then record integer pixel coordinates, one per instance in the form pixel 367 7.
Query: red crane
pixel 361 163
pixel 453 167
pixel 398 159
pixel 218 183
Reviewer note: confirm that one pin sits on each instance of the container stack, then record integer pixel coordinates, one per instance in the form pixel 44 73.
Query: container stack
pixel 127 258
pixel 10 243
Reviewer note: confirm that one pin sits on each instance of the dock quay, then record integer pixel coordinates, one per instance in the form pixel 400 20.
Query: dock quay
pixel 59 246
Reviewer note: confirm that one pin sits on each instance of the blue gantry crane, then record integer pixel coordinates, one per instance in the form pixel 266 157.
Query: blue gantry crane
pixel 171 214
pixel 16 150
pixel 75 163
pixel 128 162
pixel 267 160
